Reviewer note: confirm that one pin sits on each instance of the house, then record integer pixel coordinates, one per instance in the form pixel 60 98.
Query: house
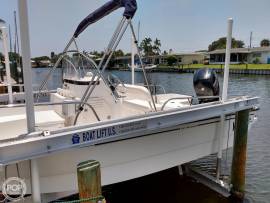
pixel 241 55
pixel 182 58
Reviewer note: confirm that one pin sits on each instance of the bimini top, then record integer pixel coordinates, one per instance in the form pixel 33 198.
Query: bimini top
pixel 130 10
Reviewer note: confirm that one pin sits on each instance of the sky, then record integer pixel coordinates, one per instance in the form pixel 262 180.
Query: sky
pixel 181 25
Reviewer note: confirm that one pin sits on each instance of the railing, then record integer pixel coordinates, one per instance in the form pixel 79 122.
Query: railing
pixel 190 99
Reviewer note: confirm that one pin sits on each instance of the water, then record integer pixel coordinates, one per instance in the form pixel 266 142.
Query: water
pixel 258 159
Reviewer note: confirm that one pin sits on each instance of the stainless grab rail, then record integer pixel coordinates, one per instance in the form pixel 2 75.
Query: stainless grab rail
pixel 189 98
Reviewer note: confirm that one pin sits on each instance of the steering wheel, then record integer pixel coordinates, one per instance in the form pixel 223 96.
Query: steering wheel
pixel 114 82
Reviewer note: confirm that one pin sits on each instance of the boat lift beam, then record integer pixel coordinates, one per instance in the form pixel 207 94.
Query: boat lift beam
pixel 38 144
pixel 209 181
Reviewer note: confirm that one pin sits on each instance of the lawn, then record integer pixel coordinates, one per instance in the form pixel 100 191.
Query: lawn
pixel 238 66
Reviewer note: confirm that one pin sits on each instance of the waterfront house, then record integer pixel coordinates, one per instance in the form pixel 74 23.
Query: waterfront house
pixel 241 55
pixel 182 58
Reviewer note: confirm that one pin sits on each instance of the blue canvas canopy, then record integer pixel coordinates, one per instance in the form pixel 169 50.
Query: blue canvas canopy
pixel 130 10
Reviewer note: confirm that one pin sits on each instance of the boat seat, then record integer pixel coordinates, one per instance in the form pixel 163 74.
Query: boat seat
pixel 141 105
pixel 15 125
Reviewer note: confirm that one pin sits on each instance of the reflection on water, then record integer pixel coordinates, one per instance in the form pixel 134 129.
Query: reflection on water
pixel 258 164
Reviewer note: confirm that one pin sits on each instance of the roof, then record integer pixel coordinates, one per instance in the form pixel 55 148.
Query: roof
pixel 242 50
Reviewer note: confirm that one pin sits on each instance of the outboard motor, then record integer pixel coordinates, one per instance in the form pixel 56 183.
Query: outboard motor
pixel 205 82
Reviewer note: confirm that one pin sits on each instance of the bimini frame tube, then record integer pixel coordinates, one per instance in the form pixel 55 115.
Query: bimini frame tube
pixel 142 64
pixel 117 36
pixel 224 96
pixel 45 81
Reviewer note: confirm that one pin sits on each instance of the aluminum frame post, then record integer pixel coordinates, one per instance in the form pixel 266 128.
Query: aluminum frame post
pixel 27 72
pixel 224 96
pixel 132 61
pixel 7 64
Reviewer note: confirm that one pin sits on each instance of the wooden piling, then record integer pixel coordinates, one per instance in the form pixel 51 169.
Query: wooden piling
pixel 238 169
pixel 89 180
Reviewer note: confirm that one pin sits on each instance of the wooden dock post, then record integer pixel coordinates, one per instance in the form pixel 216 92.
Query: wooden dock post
pixel 238 170
pixel 89 180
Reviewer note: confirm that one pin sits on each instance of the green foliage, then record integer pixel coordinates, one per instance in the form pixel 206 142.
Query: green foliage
pixel 150 47
pixel 265 43
pixel 54 57
pixel 119 53
pixel 147 47
pixel 97 54
pixel 41 58
pixel 221 44
pixel 156 46
pixel 14 56
pixel 256 61
pixel 171 60
pixel 1 57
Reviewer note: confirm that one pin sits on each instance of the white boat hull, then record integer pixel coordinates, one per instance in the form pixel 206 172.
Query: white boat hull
pixel 131 158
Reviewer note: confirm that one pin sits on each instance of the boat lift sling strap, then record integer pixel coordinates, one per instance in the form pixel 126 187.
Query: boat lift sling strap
pixel 130 10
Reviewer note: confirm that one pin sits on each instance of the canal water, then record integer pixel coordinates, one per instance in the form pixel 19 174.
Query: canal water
pixel 168 187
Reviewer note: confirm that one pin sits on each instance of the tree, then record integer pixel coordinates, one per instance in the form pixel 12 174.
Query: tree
pixel 118 53
pixel 147 47
pixel 1 34
pixel 156 46
pixel 265 43
pixel 1 55
pixel 221 44
pixel 171 60
pixel 14 56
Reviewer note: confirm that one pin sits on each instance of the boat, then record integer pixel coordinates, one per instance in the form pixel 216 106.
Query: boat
pixel 138 68
pixel 128 129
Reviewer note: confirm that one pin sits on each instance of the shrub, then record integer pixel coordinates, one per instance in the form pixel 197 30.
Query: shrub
pixel 256 61
pixel 171 60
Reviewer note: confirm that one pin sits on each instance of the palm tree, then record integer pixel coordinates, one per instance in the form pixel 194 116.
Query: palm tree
pixel 156 47
pixel 146 46
pixel 265 43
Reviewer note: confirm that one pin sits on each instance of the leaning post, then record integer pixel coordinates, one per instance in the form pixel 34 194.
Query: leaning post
pixel 89 180
pixel 238 169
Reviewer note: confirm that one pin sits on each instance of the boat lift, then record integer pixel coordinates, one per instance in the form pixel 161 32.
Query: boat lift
pixel 154 120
